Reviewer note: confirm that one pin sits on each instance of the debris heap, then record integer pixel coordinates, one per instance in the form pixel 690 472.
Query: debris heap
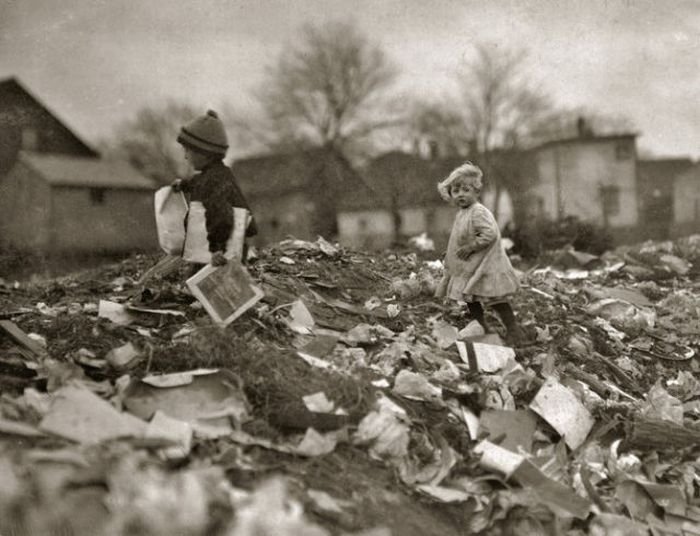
pixel 349 401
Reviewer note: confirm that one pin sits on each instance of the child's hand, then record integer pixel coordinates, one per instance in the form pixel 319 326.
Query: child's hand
pixel 218 259
pixel 464 253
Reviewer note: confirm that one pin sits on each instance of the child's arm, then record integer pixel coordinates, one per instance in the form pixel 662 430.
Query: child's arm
pixel 180 185
pixel 218 217
pixel 485 231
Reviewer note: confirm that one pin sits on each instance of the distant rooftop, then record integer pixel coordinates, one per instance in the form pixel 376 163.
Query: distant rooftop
pixel 12 85
pixel 304 170
pixel 61 170
pixel 585 139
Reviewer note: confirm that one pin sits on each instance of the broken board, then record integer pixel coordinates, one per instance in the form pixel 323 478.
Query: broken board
pixel 21 338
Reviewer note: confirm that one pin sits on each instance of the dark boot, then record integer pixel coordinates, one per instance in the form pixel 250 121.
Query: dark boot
pixel 476 310
pixel 514 334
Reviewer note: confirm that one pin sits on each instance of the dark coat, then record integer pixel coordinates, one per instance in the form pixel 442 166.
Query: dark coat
pixel 216 188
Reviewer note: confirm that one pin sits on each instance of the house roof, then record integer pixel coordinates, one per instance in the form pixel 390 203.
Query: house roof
pixel 61 170
pixel 409 179
pixel 276 174
pixel 584 139
pixel 691 173
pixel 659 173
pixel 12 84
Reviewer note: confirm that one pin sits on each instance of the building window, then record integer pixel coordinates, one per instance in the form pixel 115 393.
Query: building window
pixel 623 150
pixel 30 139
pixel 97 196
pixel 274 224
pixel 540 207
pixel 610 197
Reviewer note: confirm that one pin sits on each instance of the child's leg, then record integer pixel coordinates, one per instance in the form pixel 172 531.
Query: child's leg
pixel 193 268
pixel 505 312
pixel 477 311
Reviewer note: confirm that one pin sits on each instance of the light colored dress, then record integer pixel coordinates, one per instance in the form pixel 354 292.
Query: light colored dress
pixel 487 274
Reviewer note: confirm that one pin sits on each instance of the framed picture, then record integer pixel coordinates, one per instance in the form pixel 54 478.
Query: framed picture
pixel 226 292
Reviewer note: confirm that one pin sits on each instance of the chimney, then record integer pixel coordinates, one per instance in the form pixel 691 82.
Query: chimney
pixel 434 149
pixel 473 149
pixel 583 128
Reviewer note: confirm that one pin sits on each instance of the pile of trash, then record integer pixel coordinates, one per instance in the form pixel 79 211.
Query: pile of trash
pixel 349 401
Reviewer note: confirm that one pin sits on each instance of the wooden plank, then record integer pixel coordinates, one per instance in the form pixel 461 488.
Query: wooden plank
pixel 660 435
pixel 21 338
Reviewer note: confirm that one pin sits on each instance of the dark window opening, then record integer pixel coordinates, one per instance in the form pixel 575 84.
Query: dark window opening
pixel 274 224
pixel 610 196
pixel 97 196
pixel 30 139
pixel 623 151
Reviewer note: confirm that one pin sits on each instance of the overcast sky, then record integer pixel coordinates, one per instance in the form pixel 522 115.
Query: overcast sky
pixel 95 62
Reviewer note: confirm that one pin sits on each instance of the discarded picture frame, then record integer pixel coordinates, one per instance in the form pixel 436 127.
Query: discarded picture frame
pixel 226 292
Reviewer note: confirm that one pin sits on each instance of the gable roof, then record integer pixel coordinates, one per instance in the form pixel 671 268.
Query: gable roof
pixel 690 174
pixel 60 170
pixel 576 140
pixel 277 174
pixel 662 169
pixel 11 87
pixel 410 179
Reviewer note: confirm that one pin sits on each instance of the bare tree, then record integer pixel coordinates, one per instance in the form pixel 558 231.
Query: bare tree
pixel 441 123
pixel 327 90
pixel 502 104
pixel 149 140
pixel 502 108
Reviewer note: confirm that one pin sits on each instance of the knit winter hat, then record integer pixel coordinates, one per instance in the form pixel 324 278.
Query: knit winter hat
pixel 206 133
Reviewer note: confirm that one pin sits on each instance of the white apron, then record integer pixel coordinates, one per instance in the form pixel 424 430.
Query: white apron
pixel 196 248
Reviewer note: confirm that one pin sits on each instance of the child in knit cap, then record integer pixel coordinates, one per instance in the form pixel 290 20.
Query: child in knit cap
pixel 214 186
pixel 477 269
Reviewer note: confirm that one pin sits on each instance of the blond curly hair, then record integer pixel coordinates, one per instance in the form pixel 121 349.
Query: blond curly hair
pixel 468 171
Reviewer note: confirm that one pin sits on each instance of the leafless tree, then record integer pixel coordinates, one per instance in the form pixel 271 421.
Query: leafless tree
pixel 441 123
pixel 329 89
pixel 149 140
pixel 502 103
pixel 502 108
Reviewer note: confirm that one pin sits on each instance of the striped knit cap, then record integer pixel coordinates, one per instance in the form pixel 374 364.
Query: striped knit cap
pixel 205 133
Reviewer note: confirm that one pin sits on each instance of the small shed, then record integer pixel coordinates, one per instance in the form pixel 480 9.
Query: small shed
pixel 61 204
pixel 686 202
pixel 655 183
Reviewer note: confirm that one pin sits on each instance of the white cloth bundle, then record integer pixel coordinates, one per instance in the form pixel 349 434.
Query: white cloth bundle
pixel 171 209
